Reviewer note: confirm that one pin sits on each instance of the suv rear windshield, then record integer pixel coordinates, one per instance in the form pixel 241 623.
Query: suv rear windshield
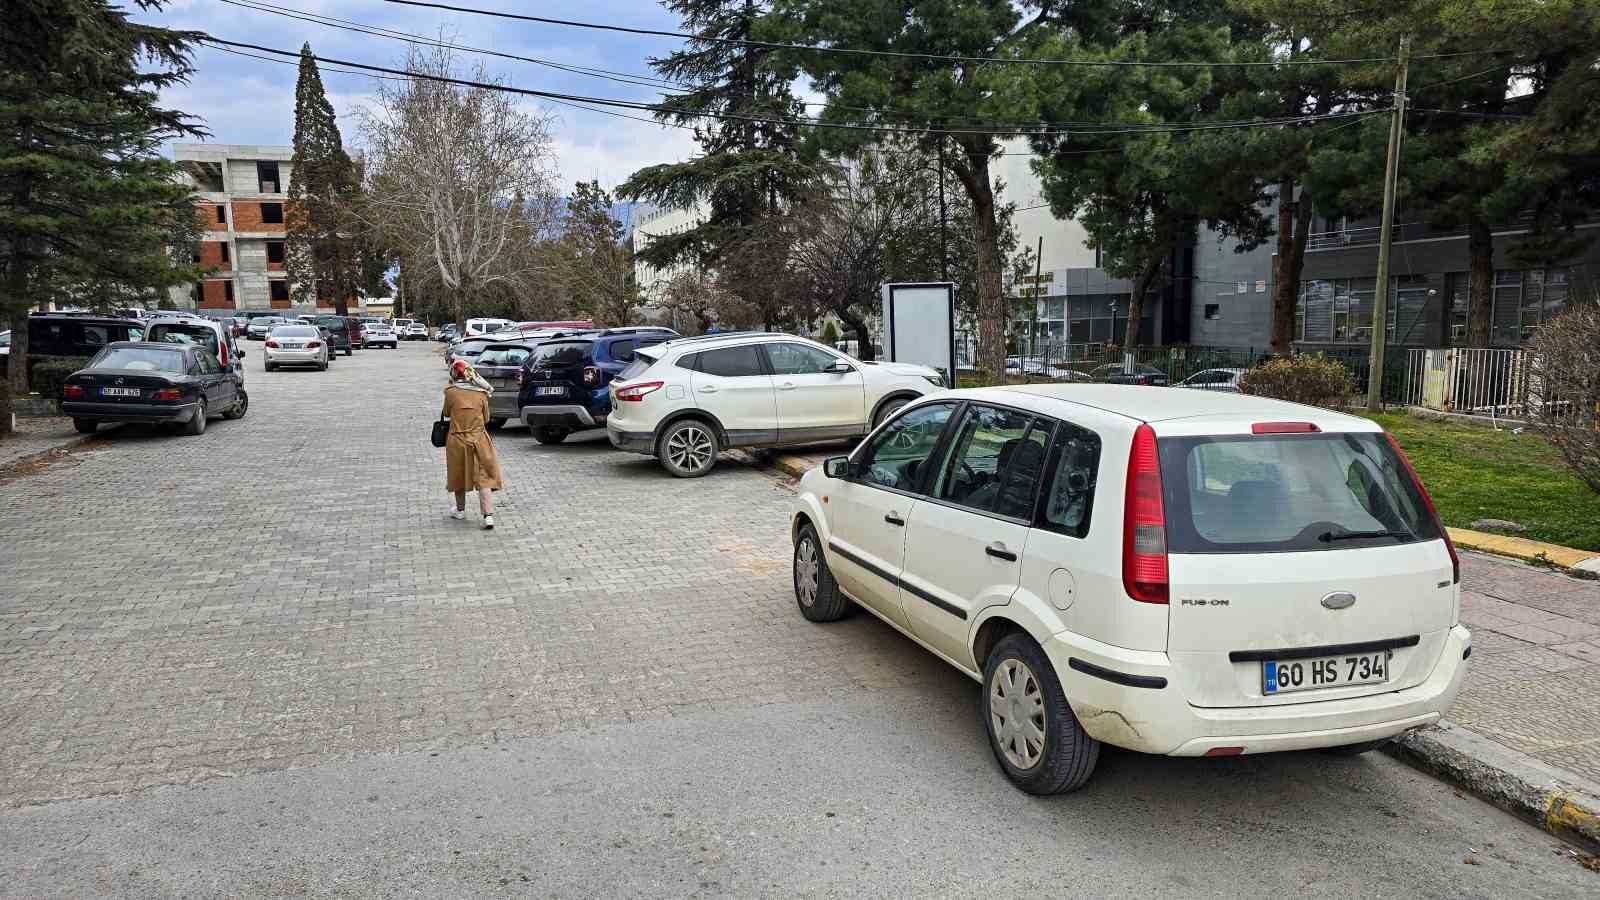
pixel 560 354
pixel 639 366
pixel 503 356
pixel 1275 493
pixel 333 323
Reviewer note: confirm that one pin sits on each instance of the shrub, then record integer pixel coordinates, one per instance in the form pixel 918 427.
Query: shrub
pixel 1565 376
pixel 49 373
pixel 1310 378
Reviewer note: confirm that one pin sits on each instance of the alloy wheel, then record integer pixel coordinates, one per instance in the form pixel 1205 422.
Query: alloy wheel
pixel 691 448
pixel 806 571
pixel 1016 712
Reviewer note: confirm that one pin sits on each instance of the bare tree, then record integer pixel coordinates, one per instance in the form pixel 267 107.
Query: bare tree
pixel 1566 379
pixel 458 174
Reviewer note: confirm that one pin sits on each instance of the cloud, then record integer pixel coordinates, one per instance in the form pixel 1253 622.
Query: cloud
pixel 593 145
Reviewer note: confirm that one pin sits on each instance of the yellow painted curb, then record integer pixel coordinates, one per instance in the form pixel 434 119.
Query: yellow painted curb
pixel 1564 815
pixel 1521 548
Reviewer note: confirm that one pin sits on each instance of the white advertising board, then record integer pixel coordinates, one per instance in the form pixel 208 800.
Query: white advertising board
pixel 919 325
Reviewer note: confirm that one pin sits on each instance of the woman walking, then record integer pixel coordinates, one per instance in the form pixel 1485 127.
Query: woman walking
pixel 470 463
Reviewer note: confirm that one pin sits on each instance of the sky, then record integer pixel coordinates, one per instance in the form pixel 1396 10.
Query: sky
pixel 243 100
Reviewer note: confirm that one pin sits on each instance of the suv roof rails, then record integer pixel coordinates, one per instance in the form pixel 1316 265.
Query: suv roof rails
pixel 634 329
pixel 723 334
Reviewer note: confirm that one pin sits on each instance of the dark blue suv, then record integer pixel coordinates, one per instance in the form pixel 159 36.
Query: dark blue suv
pixel 566 381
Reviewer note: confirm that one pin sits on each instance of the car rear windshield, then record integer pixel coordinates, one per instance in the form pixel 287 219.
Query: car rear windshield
pixel 140 358
pixel 641 364
pixel 197 335
pixel 559 354
pixel 1288 492
pixel 296 331
pixel 503 356
pixel 332 323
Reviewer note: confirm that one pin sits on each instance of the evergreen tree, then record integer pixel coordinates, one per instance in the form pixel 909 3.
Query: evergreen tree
pixel 595 267
pixel 748 171
pixel 322 252
pixel 85 196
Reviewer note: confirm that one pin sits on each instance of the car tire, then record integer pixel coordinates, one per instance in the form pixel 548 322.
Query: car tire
pixel 196 425
pixel 1018 682
pixel 494 424
pixel 270 367
pixel 85 426
pixel 322 366
pixel 239 408
pixel 889 409
pixel 349 351
pixel 550 434
pixel 688 448
pixel 1355 749
pixel 815 591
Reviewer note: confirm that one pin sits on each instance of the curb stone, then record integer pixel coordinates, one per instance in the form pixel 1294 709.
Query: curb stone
pixel 1559 802
pixel 1538 553
pixel 70 444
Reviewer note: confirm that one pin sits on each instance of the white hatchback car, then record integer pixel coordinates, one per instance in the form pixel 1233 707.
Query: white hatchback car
pixel 1172 572
pixel 685 400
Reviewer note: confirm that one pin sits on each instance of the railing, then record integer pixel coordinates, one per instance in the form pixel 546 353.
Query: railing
pixel 1350 237
pixel 1482 382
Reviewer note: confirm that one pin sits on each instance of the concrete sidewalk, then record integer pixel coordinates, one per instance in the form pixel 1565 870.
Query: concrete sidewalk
pixel 1525 731
pixel 37 437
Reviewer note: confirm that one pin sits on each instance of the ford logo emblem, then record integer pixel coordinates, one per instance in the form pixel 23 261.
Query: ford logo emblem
pixel 1339 600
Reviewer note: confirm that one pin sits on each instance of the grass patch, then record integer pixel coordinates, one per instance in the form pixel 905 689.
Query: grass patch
pixel 1474 472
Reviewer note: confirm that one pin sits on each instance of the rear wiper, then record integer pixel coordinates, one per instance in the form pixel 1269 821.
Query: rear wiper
pixel 1328 537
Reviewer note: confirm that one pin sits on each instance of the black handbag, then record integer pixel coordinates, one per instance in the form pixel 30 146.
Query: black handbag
pixel 441 431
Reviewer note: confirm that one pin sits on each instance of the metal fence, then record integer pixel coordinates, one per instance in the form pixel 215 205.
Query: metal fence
pixel 1482 382
pixel 1192 366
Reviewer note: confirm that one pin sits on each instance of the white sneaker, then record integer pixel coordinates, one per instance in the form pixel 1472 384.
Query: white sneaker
pixel 457 513
pixel 488 523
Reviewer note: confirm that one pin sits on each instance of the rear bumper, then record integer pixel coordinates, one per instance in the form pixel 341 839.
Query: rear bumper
pixel 130 412
pixel 570 414
pixel 631 441
pixel 294 357
pixel 1158 719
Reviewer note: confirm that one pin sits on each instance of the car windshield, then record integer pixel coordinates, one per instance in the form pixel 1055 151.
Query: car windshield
pixel 503 356
pixel 177 333
pixel 296 331
pixel 148 359
pixel 1272 493
pixel 560 353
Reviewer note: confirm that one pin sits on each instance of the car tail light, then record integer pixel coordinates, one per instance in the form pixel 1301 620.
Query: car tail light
pixel 167 394
pixel 1455 561
pixel 1284 428
pixel 637 391
pixel 72 392
pixel 312 345
pixel 1144 529
pixel 272 344
pixel 591 376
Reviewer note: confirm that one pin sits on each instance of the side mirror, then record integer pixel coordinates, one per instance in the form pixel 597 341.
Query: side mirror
pixel 241 354
pixel 839 368
pixel 836 467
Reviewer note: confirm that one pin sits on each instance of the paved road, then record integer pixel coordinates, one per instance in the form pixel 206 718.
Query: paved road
pixel 262 661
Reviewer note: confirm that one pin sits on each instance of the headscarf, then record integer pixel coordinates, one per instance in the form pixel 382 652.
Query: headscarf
pixel 467 378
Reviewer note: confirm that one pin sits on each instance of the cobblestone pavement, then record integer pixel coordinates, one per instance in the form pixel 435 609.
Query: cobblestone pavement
pixel 1534 678
pixel 286 589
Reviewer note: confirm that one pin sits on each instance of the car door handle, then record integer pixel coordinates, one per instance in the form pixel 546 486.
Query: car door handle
pixel 893 518
pixel 786 386
pixel 999 551
pixel 707 389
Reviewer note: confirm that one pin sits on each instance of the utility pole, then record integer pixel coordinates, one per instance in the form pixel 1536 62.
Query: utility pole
pixel 1033 328
pixel 944 234
pixel 1391 173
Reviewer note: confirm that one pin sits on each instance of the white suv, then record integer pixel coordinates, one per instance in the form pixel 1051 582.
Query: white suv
pixel 683 401
pixel 1175 572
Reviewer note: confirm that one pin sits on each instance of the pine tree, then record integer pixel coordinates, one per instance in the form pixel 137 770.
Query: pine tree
pixel 322 252
pixel 748 171
pixel 85 196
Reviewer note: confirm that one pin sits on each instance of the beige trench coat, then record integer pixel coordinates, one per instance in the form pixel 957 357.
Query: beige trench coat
pixel 470 463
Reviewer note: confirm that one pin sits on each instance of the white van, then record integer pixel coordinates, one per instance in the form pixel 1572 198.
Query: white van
pixel 477 327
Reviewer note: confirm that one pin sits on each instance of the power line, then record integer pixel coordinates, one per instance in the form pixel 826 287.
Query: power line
pixel 900 54
pixel 1039 129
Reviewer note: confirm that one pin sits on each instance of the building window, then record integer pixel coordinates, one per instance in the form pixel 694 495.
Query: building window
pixel 222 215
pixel 1213 310
pixel 1523 301
pixel 278 289
pixel 227 291
pixel 274 251
pixel 267 174
pixel 1339 311
pixel 272 213
pixel 223 246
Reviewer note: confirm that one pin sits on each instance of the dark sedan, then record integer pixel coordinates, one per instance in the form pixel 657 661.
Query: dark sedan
pixel 138 381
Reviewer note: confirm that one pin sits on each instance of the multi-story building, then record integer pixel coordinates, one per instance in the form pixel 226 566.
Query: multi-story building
pixel 242 194
pixel 649 223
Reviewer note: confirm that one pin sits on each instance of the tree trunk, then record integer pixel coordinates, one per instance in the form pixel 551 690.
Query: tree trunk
pixel 1141 289
pixel 1480 307
pixel 859 326
pixel 1294 229
pixel 974 175
pixel 17 362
